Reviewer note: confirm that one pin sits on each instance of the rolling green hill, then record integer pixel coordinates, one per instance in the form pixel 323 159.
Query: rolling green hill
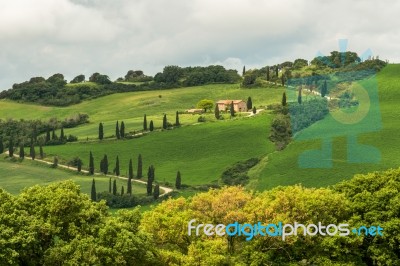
pixel 281 168
pixel 16 176
pixel 130 107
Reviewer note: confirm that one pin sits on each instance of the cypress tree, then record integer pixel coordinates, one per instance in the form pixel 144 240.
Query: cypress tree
pixel 284 99
pixel 41 153
pixel 129 186
pixel 164 123
pixel 324 89
pixel 156 191
pixel 21 152
pixel 117 167
pixel 244 70
pixel 130 172
pixel 232 109
pixel 299 100
pixel 117 135
pixel 267 73
pixel 109 186
pixel 53 134
pixel 11 147
pixel 105 166
pixel 140 167
pixel 283 80
pixel 276 71
pixel 102 165
pixel 101 131
pixel 47 135
pixel 62 136
pixel 149 186
pixel 115 187
pixel 122 130
pixel 177 123
pixel 145 123
pixel 151 125
pixel 178 181
pixel 1 145
pixel 91 164
pixel 216 111
pixel 254 110
pixel 249 104
pixel 32 152
pixel 55 161
pixel 93 192
pixel 122 191
pixel 79 165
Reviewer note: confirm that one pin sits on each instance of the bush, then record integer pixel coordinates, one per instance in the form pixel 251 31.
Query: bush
pixel 237 174
pixel 201 119
pixel 117 201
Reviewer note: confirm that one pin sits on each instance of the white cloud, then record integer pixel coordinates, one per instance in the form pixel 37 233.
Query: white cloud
pixel 42 37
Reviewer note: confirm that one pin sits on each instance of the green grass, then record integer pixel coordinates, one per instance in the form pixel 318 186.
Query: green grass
pixel 130 107
pixel 281 168
pixel 16 176
pixel 201 152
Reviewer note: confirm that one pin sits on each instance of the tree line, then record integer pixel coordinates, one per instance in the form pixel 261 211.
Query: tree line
pixel 39 228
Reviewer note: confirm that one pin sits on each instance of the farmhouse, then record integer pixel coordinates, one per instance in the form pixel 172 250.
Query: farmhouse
pixel 238 105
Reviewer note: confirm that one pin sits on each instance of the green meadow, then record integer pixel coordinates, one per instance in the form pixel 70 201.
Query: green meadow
pixel 16 176
pixel 282 168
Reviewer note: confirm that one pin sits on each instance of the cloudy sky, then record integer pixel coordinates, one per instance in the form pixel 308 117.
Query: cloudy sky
pixel 43 37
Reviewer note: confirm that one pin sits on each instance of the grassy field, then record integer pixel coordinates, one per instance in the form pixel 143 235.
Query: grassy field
pixel 201 151
pixel 282 168
pixel 130 107
pixel 16 176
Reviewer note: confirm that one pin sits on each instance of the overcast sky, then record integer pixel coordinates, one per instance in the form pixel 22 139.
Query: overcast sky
pixel 43 37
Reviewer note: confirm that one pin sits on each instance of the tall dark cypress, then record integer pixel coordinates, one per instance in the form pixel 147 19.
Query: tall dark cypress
pixel 276 71
pixel 177 123
pixel 11 147
pixel 117 167
pixel 122 130
pixel 115 187
pixel 140 167
pixel 164 123
pixel 79 165
pixel 244 70
pixel 62 136
pixel 32 152
pixel 232 110
pixel 216 111
pixel 324 89
pixel 122 190
pixel 53 134
pixel 284 99
pixel 151 127
pixel 91 164
pixel 149 186
pixel 102 165
pixel 93 193
pixel 178 181
pixel 130 175
pixel 267 73
pixel 109 186
pixel 117 132
pixel 105 164
pixel 41 153
pixel 145 123
pixel 1 145
pixel 156 193
pixel 21 152
pixel 47 135
pixel 129 186
pixel 101 131
pixel 249 103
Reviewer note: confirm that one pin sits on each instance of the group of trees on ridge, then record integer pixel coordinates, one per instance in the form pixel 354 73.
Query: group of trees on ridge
pixel 57 224
pixel 56 91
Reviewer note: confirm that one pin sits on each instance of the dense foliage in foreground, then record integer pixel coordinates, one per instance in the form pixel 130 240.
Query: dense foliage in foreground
pixel 58 225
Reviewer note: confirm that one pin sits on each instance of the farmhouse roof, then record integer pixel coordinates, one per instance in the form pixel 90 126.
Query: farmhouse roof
pixel 229 101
